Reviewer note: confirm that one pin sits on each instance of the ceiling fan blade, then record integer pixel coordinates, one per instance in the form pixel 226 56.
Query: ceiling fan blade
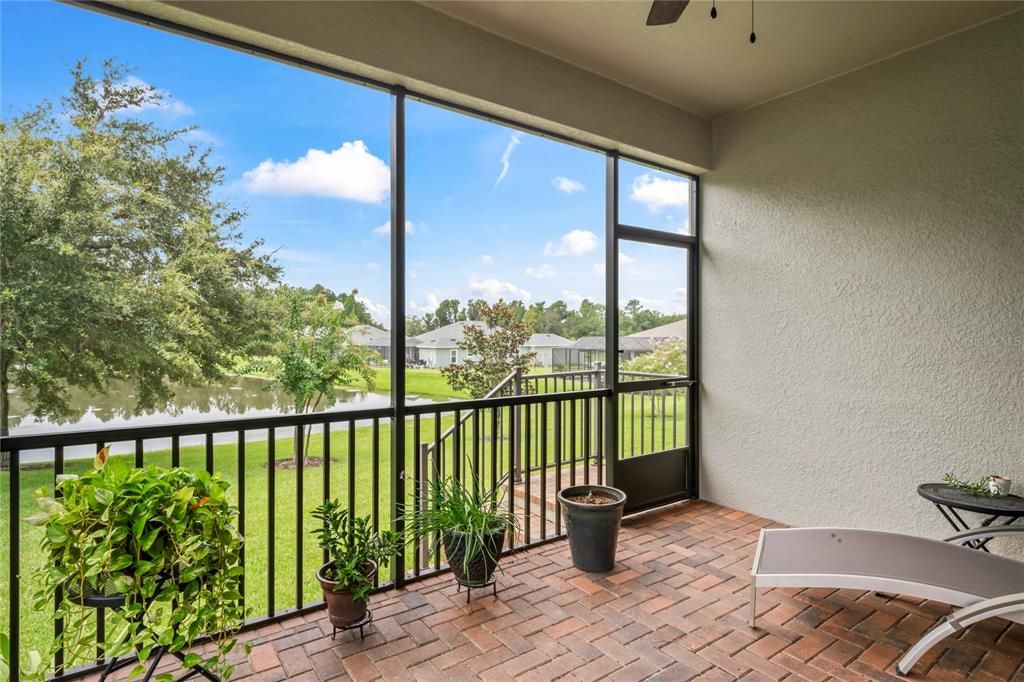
pixel 666 12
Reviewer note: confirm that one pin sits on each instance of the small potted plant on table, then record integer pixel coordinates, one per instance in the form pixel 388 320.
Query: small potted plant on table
pixel 355 553
pixel 592 516
pixel 471 527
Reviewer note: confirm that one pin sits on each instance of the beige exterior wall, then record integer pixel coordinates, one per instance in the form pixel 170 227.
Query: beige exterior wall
pixel 408 44
pixel 863 288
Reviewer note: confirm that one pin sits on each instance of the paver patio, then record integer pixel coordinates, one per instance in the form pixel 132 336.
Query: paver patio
pixel 673 609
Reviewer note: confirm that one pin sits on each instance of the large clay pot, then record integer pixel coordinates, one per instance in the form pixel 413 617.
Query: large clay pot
pixel 343 609
pixel 481 567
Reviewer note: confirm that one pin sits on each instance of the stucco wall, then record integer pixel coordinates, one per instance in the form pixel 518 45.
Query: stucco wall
pixel 863 288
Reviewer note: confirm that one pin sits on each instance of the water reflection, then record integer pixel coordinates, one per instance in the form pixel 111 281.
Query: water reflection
pixel 235 396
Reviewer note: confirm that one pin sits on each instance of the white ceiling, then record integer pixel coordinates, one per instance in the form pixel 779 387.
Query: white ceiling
pixel 708 66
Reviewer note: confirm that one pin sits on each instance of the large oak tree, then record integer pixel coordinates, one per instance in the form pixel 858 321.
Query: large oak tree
pixel 116 258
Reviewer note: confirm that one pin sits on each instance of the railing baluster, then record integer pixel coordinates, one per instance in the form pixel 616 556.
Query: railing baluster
pixel 477 473
pixel 600 443
pixel 510 476
pixel 675 419
pixel 139 454
pixel 495 444
pixel 417 473
pixel 558 466
pixel 643 420
pixel 101 616
pixel 586 440
pixel 326 453
pixel 456 447
pixel 300 460
pixel 14 559
pixel 572 442
pixel 175 451
pixel 241 511
pixel 271 498
pixel 375 472
pixel 438 471
pixel 544 471
pixel 209 452
pixel 58 597
pixel 663 415
pixel 352 470
pixel 527 475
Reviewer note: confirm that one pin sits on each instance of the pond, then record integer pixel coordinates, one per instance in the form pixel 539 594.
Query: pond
pixel 234 397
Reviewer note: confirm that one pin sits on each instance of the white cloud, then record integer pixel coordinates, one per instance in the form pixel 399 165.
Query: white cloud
pixel 486 260
pixel 160 100
pixel 572 298
pixel 624 259
pixel 506 158
pixel 349 172
pixel 428 306
pixel 372 266
pixel 492 289
pixel 378 311
pixel 574 243
pixel 563 184
pixel 541 271
pixel 385 229
pixel 658 192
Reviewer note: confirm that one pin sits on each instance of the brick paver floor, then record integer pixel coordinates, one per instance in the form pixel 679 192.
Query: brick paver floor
pixel 673 609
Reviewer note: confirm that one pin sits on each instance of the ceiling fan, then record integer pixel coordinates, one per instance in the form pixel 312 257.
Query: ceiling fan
pixel 664 12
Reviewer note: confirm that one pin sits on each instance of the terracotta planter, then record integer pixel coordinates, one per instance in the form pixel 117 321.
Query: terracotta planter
pixel 343 609
pixel 481 567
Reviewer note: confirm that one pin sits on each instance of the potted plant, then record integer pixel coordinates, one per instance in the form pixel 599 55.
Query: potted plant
pixel 355 553
pixel 470 525
pixel 592 516
pixel 140 539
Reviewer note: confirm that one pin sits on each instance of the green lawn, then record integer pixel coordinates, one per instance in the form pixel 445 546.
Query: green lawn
pixel 37 627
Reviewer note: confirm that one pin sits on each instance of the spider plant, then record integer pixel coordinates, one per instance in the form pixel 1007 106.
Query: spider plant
pixel 471 524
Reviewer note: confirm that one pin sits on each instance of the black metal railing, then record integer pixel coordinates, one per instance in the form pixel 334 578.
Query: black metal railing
pixel 528 445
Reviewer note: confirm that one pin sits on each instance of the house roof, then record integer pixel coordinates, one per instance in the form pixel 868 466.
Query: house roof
pixel 368 335
pixel 547 340
pixel 447 336
pixel 626 343
pixel 672 330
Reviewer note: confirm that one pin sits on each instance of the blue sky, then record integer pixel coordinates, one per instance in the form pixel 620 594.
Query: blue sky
pixel 492 211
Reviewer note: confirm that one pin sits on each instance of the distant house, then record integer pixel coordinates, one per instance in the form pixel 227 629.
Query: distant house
pixel 440 347
pixel 586 351
pixel 380 340
pixel 546 346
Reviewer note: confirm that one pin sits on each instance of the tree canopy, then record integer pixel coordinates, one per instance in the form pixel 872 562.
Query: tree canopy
pixel 494 350
pixel 116 260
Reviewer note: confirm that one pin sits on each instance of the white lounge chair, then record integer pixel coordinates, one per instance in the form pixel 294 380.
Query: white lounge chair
pixel 984 584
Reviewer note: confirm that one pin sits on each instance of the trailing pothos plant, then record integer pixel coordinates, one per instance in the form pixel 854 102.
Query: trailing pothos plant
pixel 163 539
pixel 351 542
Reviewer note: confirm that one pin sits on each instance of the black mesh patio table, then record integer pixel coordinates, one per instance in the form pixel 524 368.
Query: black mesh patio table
pixel 997 509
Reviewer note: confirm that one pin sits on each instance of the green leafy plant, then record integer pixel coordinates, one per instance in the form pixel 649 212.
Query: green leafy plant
pixel 979 488
pixel 155 537
pixel 351 542
pixel 455 507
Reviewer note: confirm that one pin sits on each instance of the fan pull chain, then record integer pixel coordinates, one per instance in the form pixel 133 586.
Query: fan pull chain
pixel 714 11
pixel 753 36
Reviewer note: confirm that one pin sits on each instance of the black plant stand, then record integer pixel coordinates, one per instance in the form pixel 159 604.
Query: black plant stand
pixel 492 582
pixel 115 602
pixel 366 620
